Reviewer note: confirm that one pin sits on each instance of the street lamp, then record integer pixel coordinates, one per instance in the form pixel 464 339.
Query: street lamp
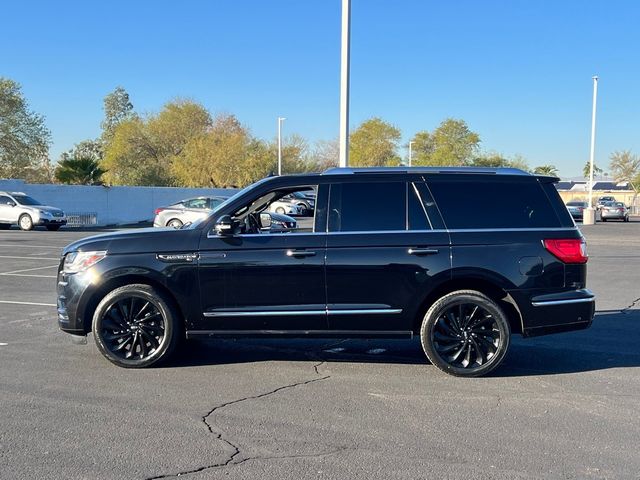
pixel 344 83
pixel 410 151
pixel 280 120
pixel 590 214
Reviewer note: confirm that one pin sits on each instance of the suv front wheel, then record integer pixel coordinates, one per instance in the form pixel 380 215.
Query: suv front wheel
pixel 465 333
pixel 135 326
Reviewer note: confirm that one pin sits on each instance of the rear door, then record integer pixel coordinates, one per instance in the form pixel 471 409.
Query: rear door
pixel 385 251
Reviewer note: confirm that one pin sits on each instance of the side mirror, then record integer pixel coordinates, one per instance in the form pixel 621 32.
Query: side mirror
pixel 11 203
pixel 265 220
pixel 225 226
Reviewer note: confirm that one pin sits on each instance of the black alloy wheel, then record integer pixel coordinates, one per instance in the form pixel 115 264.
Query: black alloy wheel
pixel 134 326
pixel 465 333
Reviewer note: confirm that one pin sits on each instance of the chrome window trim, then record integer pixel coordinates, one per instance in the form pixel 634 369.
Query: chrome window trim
pixel 563 302
pixel 440 230
pixel 271 313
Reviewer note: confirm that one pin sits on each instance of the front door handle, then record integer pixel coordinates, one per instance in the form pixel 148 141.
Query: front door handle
pixel 300 253
pixel 422 251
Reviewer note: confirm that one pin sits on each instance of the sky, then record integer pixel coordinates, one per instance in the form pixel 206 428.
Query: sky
pixel 518 72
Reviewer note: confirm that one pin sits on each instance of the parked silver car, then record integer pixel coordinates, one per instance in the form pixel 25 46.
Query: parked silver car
pixel 614 211
pixel 17 208
pixel 185 211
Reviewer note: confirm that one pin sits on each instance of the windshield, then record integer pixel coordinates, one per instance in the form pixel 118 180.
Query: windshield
pixel 26 200
pixel 217 208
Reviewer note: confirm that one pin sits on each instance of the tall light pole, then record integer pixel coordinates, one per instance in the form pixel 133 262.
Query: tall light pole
pixel 590 214
pixel 344 83
pixel 410 151
pixel 280 120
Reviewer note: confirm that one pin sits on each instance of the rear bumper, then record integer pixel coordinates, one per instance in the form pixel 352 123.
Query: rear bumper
pixel 547 313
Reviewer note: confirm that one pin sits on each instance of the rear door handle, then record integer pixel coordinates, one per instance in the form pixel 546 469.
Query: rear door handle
pixel 422 251
pixel 300 253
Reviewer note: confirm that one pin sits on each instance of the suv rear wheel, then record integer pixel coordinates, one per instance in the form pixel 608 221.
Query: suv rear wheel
pixel 135 326
pixel 465 334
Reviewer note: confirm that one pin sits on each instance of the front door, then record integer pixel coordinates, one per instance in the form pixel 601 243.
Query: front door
pixel 265 281
pixel 7 209
pixel 385 251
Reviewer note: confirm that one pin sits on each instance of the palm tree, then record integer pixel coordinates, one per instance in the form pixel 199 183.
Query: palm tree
pixel 550 170
pixel 79 171
pixel 586 170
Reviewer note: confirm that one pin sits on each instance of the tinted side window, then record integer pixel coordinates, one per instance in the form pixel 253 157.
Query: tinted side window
pixel 5 200
pixel 371 206
pixel 492 202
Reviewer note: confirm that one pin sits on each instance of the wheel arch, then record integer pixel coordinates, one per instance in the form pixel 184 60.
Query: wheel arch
pixel 489 287
pixel 94 297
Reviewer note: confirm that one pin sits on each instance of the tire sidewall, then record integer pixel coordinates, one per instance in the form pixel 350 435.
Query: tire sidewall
pixel 452 299
pixel 148 294
pixel 175 223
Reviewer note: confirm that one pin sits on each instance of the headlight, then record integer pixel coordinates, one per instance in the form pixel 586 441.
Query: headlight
pixel 76 262
pixel 44 212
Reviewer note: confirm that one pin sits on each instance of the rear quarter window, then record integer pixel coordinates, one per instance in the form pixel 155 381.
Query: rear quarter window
pixel 486 202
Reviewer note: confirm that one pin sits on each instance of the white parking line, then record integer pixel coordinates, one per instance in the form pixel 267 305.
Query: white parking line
pixel 26 275
pixel 27 270
pixel 28 258
pixel 2 344
pixel 29 303
pixel 33 246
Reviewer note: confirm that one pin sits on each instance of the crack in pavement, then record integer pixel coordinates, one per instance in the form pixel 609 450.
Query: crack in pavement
pixel 235 449
pixel 633 304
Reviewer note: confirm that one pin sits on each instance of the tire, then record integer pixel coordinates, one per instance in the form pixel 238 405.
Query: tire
pixel 174 223
pixel 603 219
pixel 5 226
pixel 485 341
pixel 53 228
pixel 25 222
pixel 131 342
pixel 280 210
pixel 626 219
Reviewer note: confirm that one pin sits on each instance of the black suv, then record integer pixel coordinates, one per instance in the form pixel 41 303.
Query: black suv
pixel 461 257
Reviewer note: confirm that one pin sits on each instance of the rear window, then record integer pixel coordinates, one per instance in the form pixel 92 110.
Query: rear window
pixel 493 202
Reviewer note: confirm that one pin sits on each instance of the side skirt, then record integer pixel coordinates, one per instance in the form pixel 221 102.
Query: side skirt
pixel 300 333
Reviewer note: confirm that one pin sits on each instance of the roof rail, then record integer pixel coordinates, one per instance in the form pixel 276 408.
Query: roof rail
pixel 485 170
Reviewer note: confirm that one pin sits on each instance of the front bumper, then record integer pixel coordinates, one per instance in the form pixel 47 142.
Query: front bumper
pixel 71 291
pixel 51 221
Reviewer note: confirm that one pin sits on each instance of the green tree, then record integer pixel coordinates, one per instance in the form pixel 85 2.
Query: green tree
pixel 493 160
pixel 24 137
pixel 374 144
pixel 586 170
pixel 451 144
pixel 143 150
pixel 79 171
pixel 117 109
pixel 550 170
pixel 216 157
pixel 625 167
pixel 498 160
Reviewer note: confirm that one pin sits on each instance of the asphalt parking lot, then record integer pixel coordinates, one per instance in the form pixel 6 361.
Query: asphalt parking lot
pixel 563 406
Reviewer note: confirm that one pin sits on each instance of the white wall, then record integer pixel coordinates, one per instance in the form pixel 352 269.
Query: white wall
pixel 113 205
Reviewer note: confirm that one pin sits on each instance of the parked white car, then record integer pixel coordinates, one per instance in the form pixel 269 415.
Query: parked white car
pixel 285 208
pixel 17 208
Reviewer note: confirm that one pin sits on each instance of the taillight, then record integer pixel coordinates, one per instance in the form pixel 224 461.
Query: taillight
pixel 158 210
pixel 569 250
